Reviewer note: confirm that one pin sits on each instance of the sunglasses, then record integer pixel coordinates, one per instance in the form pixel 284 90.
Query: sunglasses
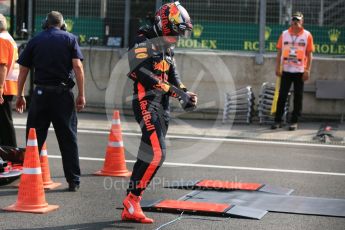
pixel 295 19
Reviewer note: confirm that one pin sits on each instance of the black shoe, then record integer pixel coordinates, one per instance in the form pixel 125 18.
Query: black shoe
pixel 73 187
pixel 276 125
pixel 293 127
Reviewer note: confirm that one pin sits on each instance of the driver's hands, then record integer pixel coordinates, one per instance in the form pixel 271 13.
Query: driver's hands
pixel 194 97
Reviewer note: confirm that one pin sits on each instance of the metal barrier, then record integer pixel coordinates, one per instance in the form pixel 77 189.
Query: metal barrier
pixel 239 106
pixel 265 104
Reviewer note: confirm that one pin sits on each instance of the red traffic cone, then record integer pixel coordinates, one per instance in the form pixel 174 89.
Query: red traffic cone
pixel 114 164
pixel 31 196
pixel 47 181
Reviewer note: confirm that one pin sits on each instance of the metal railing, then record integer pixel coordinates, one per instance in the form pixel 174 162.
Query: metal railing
pixel 234 25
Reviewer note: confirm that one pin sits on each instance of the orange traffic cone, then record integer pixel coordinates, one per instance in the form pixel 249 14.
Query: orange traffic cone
pixel 47 181
pixel 31 196
pixel 114 164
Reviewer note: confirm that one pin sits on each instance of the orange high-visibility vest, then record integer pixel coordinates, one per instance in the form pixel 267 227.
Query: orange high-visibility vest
pixel 294 49
pixel 9 56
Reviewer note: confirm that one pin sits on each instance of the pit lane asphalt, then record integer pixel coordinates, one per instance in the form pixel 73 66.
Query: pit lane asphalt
pixel 94 206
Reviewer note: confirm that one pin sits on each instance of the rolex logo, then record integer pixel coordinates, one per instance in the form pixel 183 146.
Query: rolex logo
pixel 82 38
pixel 197 30
pixel 334 35
pixel 268 31
pixel 69 24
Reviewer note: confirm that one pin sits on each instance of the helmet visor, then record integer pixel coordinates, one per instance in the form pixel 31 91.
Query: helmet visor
pixel 186 34
pixel 184 28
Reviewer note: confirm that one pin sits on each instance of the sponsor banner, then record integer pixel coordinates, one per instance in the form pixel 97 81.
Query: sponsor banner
pixel 83 28
pixel 222 36
pixel 245 37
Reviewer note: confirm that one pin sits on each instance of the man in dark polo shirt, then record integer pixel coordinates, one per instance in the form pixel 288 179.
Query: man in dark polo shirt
pixel 53 54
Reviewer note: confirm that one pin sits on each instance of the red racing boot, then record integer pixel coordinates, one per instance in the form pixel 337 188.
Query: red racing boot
pixel 132 210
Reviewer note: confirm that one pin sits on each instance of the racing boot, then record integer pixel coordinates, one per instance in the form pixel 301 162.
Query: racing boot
pixel 132 210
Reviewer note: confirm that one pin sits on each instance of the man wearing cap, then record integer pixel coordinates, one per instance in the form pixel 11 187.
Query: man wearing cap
pixel 293 63
pixel 8 84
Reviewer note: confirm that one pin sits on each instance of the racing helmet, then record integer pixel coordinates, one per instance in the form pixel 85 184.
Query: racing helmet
pixel 172 21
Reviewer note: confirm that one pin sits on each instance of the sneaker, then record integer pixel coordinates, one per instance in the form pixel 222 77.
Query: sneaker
pixel 293 126
pixel 72 187
pixel 276 125
pixel 132 210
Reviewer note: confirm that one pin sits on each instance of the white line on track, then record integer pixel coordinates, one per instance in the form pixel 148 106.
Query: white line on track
pixel 224 167
pixel 229 140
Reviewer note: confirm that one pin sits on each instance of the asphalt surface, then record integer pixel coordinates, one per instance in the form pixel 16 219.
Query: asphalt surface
pixel 311 170
pixel 212 128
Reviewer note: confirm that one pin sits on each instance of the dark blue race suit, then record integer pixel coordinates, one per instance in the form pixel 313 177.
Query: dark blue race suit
pixel 151 64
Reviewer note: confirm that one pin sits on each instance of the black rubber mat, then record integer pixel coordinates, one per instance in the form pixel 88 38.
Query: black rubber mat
pixel 273 202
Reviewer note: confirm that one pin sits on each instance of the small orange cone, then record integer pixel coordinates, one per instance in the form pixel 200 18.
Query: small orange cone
pixel 31 196
pixel 47 181
pixel 114 164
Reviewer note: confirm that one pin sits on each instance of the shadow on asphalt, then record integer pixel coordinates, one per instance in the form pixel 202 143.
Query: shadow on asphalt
pixel 82 175
pixel 8 192
pixel 93 226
